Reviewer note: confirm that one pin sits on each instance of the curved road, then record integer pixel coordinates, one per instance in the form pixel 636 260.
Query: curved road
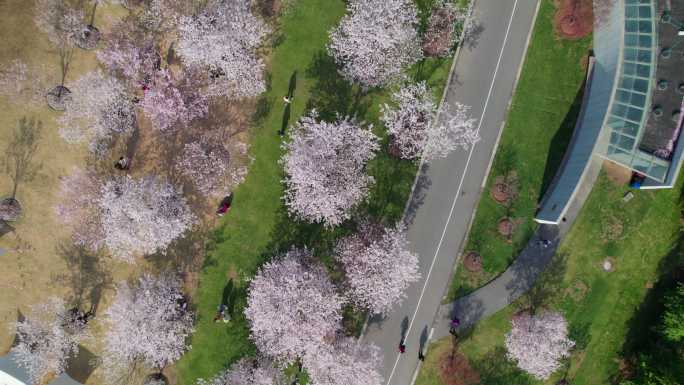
pixel 447 190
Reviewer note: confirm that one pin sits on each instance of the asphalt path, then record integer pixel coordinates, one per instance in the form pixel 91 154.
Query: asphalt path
pixel 447 190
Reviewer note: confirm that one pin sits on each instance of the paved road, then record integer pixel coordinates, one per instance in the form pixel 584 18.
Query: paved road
pixel 447 190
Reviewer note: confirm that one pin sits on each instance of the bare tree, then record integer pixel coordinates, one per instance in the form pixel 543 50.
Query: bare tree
pixel 62 24
pixel 19 159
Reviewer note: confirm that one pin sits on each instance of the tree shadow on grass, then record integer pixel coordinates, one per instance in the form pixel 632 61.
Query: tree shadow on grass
pixel 80 367
pixel 496 369
pixel 184 254
pixel 559 143
pixel 644 340
pixel 87 276
pixel 392 188
pixel 332 95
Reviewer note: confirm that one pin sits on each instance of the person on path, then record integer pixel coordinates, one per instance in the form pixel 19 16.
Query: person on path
pixel 402 347
pixel 421 356
pixel 287 100
pixel 454 324
pixel 224 207
pixel 122 163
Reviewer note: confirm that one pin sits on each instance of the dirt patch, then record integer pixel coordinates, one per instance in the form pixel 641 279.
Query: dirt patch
pixel 617 174
pixel 505 188
pixel 577 290
pixel 506 227
pixel 473 262
pixel 574 19
pixel 454 369
pixel 612 229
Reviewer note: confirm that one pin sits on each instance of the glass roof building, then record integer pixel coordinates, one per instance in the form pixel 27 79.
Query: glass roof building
pixel 631 111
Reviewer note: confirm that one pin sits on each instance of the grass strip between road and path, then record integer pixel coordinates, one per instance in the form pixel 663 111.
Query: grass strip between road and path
pixel 538 128
pixel 601 306
pixel 258 226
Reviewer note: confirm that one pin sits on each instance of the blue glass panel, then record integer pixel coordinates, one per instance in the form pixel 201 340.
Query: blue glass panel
pixel 614 138
pixel 645 26
pixel 643 70
pixel 629 68
pixel 634 114
pixel 630 54
pixel 626 82
pixel 623 96
pixel 626 142
pixel 641 85
pixel 645 12
pixel 658 171
pixel 630 128
pixel 632 26
pixel 645 41
pixel 631 39
pixel 632 11
pixel 638 100
pixel 619 110
pixel 644 56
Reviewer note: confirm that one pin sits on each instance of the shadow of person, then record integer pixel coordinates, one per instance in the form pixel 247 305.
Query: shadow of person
pixel 227 291
pixel 423 339
pixel 404 327
pixel 292 86
pixel 286 120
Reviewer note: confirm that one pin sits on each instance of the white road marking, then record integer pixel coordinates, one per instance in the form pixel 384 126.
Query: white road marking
pixel 460 185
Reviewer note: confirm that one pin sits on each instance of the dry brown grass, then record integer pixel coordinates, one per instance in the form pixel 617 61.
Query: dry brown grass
pixel 34 266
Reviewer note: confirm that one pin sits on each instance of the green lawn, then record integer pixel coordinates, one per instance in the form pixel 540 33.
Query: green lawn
pixel 601 307
pixel 258 226
pixel 538 128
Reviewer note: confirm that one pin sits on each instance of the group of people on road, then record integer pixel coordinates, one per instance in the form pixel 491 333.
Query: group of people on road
pixel 455 323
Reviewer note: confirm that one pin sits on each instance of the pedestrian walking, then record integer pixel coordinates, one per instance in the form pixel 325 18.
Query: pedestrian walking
pixel 122 163
pixel 402 347
pixel 421 356
pixel 224 207
pixel 287 100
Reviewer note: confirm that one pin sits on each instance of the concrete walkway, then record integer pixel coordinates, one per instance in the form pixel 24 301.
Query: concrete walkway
pixel 521 275
pixel 448 190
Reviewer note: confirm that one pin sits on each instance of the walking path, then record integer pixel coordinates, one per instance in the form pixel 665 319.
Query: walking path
pixel 523 273
pixel 447 190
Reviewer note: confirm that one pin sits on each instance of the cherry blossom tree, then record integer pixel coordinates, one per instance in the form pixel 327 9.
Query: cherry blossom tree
pixel 378 266
pixel 141 216
pixel 132 54
pixel 148 324
pixel 376 40
pixel 292 306
pixel 79 207
pixel 221 41
pixel 410 120
pixel 325 167
pixel 99 109
pixel 344 362
pixel 58 20
pixel 448 24
pixel 47 338
pixel 537 343
pixel 248 371
pixel 170 104
pixel 211 166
